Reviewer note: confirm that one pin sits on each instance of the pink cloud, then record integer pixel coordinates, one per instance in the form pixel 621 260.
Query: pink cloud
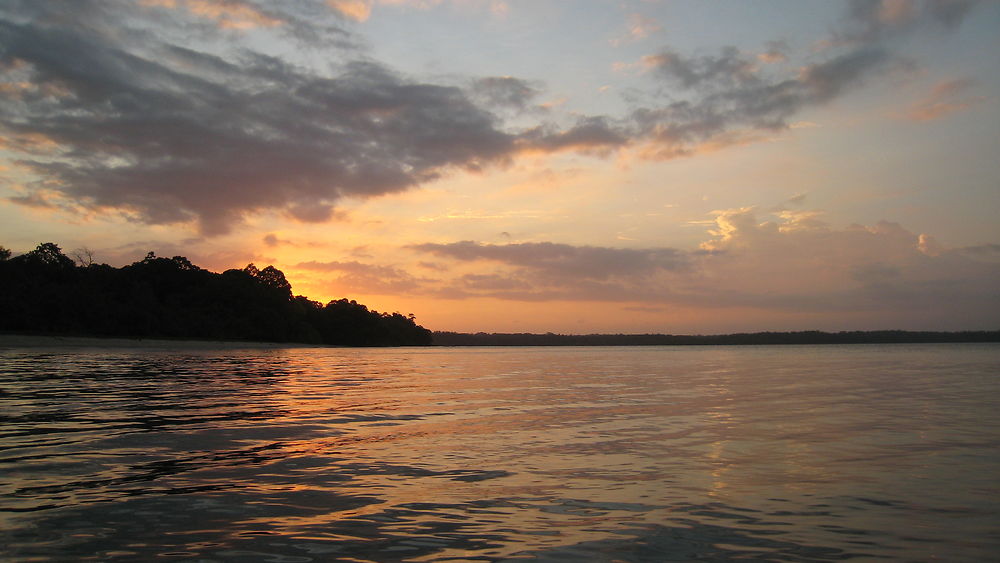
pixel 945 98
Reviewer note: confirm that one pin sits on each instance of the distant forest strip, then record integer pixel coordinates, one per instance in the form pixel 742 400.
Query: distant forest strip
pixel 46 292
pixel 802 337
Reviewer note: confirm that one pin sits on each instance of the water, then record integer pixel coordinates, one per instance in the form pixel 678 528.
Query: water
pixel 795 453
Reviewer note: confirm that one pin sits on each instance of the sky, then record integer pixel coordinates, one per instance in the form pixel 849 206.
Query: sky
pixel 618 166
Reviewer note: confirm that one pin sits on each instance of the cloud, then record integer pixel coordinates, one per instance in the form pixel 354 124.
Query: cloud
pixel 873 20
pixel 505 92
pixel 639 27
pixel 364 278
pixel 983 251
pixel 945 98
pixel 493 283
pixel 34 199
pixel 228 14
pixel 170 134
pixel 730 97
pixel 733 99
pixel 554 261
pixel 305 23
pixel 357 10
pixel 361 10
pixel 791 262
pixel 801 262
pixel 593 135
pixel 433 266
pixel 271 239
pixel 161 110
pixel 777 52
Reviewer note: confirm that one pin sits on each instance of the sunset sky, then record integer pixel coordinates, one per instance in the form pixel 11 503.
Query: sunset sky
pixel 507 166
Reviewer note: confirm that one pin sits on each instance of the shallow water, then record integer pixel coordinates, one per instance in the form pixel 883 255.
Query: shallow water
pixel 793 453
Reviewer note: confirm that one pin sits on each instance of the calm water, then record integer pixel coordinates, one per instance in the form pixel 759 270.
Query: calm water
pixel 601 454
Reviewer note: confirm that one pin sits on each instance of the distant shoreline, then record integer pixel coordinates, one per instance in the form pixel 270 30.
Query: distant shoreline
pixel 454 339
pixel 738 339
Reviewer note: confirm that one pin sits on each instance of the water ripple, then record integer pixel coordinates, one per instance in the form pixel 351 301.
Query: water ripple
pixel 599 454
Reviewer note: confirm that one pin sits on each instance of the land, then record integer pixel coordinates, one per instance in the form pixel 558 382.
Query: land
pixel 756 338
pixel 49 300
pixel 524 339
pixel 45 292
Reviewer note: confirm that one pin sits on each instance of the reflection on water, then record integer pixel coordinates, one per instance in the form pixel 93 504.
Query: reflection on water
pixel 602 454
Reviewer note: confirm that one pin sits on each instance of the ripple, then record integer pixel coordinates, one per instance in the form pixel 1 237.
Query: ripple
pixel 783 453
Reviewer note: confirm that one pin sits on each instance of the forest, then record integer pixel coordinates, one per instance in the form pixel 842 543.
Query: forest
pixel 800 337
pixel 46 292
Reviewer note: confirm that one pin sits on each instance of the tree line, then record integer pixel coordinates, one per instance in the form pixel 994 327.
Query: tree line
pixel 44 291
pixel 800 337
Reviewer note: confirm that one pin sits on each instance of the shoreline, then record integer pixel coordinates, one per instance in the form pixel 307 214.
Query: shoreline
pixel 12 341
pixel 47 341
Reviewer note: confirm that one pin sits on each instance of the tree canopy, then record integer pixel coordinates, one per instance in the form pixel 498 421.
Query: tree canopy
pixel 44 291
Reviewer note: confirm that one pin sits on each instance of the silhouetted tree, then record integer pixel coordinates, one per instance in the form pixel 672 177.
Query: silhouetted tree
pixel 48 254
pixel 4 253
pixel 44 291
pixel 83 256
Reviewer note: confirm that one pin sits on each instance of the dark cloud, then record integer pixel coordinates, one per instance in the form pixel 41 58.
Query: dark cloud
pixel 550 271
pixel 588 135
pixel 713 98
pixel 874 20
pixel 731 93
pixel 34 199
pixel 563 261
pixel 949 13
pixel 729 96
pixel 505 91
pixel 172 134
pixel 729 69
pixel 982 251
pixel 159 110
pixel 797 265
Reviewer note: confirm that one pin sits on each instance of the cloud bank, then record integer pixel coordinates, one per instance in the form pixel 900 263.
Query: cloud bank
pixel 170 111
pixel 117 117
pixel 792 262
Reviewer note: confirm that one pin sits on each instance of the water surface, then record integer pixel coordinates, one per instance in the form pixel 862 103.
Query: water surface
pixel 784 453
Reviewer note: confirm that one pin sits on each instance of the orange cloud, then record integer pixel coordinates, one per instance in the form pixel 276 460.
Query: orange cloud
pixel 227 14
pixel 14 89
pixel 357 10
pixel 361 10
pixel 946 97
pixel 31 142
pixel 776 53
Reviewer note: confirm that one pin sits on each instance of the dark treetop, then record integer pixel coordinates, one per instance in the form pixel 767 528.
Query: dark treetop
pixel 44 291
